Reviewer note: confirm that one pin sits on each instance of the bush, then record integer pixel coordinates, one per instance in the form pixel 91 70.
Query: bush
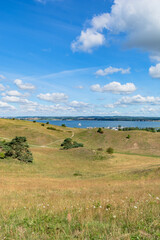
pixel 18 148
pixel 128 137
pixel 99 149
pixel 51 128
pixel 42 124
pixel 63 125
pixel 47 122
pixel 110 150
pixel 100 130
pixel 34 121
pixel 67 144
pixel 2 155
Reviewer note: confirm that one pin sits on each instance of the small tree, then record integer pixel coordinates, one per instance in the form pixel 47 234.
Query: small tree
pixel 100 130
pixel 19 148
pixel 63 125
pixel 47 122
pixel 67 144
pixel 110 150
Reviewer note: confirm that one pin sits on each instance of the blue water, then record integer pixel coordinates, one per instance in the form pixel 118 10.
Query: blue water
pixel 89 123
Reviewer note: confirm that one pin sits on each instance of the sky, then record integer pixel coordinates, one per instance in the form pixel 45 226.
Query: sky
pixel 79 58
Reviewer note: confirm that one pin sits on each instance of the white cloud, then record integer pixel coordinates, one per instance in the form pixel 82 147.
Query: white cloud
pixel 114 87
pixel 77 104
pixel 138 99
pixel 87 40
pixel 111 70
pixel 2 88
pixel 137 19
pixel 2 77
pixel 155 58
pixel 154 71
pixel 15 99
pixel 6 106
pixel 24 86
pixel 53 97
pixel 14 93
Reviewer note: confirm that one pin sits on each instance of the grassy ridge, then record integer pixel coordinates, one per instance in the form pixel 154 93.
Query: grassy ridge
pixel 80 193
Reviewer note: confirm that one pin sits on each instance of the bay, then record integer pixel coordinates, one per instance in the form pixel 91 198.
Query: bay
pixel 95 123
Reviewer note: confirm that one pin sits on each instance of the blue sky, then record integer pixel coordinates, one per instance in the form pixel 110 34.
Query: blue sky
pixel 68 57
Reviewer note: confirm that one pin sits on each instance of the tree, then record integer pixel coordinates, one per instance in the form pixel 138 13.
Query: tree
pixel 100 130
pixel 63 125
pixel 19 148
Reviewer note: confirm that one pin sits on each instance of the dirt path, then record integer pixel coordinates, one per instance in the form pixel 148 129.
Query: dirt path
pixel 47 145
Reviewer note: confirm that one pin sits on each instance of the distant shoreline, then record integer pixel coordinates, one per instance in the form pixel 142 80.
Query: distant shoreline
pixel 118 118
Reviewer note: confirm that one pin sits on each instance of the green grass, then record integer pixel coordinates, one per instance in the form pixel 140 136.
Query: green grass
pixel 80 193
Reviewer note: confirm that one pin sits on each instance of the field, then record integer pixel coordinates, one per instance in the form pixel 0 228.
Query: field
pixel 82 193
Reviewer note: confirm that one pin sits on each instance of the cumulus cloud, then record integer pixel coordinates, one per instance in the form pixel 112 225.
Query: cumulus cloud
pixel 135 100
pixel 87 40
pixel 24 86
pixel 137 19
pixel 6 106
pixel 77 104
pixel 2 88
pixel 15 99
pixel 114 87
pixel 53 97
pixel 154 71
pixel 14 93
pixel 111 70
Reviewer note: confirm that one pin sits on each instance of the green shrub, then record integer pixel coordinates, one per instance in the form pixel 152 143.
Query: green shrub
pixel 100 130
pixel 2 155
pixel 47 122
pixel 19 148
pixel 67 144
pixel 42 124
pixel 110 150
pixel 34 121
pixel 51 128
pixel 128 137
pixel 63 125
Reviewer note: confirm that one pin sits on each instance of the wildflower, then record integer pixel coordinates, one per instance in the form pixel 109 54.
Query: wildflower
pixel 157 198
pixel 100 206
pixel 114 216
pixel 135 207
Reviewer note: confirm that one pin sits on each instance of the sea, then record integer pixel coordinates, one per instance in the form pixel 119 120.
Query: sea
pixel 95 123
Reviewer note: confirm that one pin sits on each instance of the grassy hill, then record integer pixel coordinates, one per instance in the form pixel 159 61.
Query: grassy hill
pixel 80 193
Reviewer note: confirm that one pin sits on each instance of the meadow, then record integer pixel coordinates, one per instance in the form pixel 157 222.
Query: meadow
pixel 82 193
